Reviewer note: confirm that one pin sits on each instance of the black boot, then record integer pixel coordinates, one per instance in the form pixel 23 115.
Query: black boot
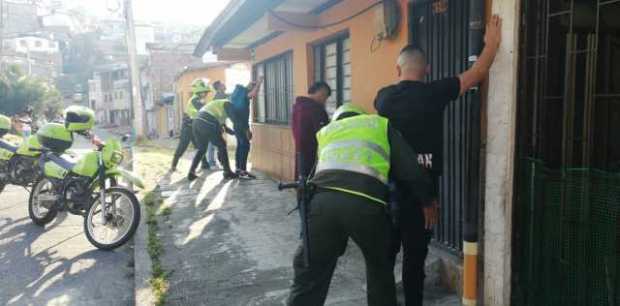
pixel 229 175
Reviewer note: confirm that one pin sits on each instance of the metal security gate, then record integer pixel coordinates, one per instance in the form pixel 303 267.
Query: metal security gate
pixel 567 200
pixel 443 29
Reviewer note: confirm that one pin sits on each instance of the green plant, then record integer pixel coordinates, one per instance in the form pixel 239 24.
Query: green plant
pixel 159 276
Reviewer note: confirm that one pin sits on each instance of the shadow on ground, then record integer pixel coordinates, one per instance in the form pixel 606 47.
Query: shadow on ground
pixel 232 243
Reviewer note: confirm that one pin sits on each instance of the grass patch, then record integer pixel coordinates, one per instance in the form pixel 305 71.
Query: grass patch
pixel 166 212
pixel 152 163
pixel 159 276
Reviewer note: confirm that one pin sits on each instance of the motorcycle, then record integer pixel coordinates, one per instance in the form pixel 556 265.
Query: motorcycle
pixel 89 188
pixel 18 163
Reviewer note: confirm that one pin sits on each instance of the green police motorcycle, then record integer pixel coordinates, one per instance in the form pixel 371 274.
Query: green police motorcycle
pixel 87 187
pixel 18 163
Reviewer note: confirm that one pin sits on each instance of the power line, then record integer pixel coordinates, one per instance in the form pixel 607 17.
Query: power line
pixel 319 27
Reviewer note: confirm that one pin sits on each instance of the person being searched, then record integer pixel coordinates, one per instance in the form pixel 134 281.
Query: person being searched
pixel 415 108
pixel 200 90
pixel 241 98
pixel 309 116
pixel 357 154
pixel 208 129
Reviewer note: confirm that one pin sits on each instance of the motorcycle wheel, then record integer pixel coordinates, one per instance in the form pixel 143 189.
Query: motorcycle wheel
pixel 120 227
pixel 35 212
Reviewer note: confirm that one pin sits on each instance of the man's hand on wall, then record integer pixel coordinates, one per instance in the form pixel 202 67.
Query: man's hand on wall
pixel 493 35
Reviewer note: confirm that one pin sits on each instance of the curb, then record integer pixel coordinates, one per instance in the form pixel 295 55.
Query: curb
pixel 143 294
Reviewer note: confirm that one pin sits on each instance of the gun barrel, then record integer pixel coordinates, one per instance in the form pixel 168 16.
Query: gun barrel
pixel 283 186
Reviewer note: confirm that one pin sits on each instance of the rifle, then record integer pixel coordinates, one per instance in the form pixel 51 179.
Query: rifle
pixel 304 195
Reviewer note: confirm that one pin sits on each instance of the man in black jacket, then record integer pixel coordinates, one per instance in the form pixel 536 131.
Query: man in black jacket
pixel 415 108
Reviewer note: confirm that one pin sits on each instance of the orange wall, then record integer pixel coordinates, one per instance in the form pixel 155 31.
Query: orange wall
pixel 272 149
pixel 371 70
pixel 184 84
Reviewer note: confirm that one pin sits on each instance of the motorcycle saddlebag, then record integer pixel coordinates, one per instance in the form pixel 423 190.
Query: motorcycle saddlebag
pixel 55 137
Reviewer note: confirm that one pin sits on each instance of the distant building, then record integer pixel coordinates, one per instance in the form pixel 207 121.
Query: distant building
pixel 164 63
pixel 38 56
pixel 27 43
pixel 19 17
pixel 109 94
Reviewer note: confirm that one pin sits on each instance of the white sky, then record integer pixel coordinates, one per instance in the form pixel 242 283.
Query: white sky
pixel 189 12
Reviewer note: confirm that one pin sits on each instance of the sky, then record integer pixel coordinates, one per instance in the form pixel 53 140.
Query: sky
pixel 189 12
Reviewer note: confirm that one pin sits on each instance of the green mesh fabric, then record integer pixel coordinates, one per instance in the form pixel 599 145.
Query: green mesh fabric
pixel 567 237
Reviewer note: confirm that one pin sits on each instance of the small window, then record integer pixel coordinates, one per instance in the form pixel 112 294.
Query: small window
pixel 52 44
pixel 23 43
pixel 332 65
pixel 38 44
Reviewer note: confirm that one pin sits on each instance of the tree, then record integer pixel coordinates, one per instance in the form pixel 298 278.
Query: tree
pixel 19 91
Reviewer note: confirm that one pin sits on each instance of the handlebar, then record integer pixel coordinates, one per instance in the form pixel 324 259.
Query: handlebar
pixel 283 186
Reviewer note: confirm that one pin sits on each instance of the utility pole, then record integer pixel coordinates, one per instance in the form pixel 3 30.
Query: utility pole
pixel 137 110
pixel 1 33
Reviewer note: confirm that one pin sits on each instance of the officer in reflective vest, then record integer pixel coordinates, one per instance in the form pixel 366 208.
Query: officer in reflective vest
pixel 200 90
pixel 357 155
pixel 207 128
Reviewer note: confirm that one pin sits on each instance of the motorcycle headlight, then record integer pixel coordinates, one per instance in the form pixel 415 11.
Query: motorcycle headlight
pixel 117 158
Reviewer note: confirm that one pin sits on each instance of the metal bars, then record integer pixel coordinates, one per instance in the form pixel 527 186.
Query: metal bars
pixel 443 33
pixel 567 224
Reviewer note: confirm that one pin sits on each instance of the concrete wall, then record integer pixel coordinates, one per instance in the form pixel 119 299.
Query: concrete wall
pixel 500 148
pixel 371 70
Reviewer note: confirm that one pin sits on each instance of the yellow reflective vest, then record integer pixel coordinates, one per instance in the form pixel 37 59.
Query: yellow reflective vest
pixel 217 109
pixel 191 111
pixel 357 144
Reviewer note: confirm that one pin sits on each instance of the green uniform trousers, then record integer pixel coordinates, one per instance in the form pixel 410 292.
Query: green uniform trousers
pixel 334 218
pixel 184 141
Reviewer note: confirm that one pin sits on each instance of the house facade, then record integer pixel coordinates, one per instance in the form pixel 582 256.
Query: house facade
pixel 530 195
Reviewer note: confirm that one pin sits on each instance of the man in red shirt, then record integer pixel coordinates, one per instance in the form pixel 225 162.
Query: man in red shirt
pixel 309 116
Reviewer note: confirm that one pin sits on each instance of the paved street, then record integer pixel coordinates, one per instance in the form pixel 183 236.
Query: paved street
pixel 232 243
pixel 57 265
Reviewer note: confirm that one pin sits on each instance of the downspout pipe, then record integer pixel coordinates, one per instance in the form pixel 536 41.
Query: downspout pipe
pixel 470 222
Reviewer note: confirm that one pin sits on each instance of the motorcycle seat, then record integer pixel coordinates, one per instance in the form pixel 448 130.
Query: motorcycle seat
pixel 7 146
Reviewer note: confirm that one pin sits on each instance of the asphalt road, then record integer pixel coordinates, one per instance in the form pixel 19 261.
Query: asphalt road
pixel 56 265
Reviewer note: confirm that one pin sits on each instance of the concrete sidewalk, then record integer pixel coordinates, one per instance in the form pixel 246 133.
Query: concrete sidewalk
pixel 232 243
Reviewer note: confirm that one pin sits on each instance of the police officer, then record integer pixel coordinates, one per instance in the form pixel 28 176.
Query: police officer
pixel 207 128
pixel 357 154
pixel 199 94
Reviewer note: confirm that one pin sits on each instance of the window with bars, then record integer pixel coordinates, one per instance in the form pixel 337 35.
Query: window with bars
pixel 275 98
pixel 332 64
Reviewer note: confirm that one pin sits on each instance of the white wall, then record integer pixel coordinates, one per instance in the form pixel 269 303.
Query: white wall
pixel 34 44
pixel 145 34
pixel 500 150
pixel 237 74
